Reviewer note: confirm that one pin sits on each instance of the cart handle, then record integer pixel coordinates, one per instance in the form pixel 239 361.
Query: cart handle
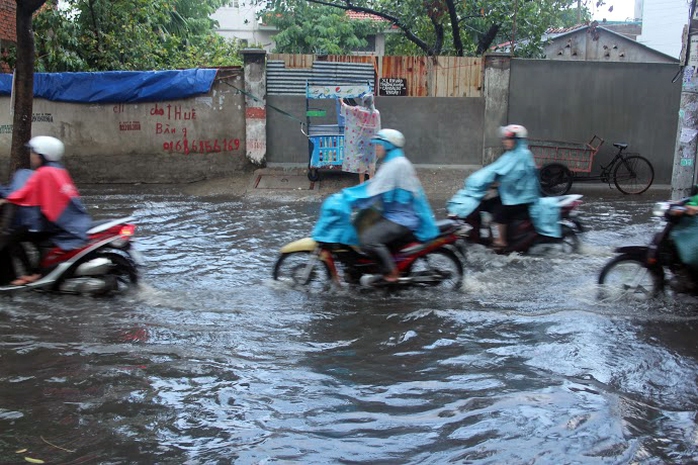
pixel 595 143
pixel 303 130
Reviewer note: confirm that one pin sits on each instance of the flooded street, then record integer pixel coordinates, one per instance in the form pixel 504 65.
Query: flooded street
pixel 210 361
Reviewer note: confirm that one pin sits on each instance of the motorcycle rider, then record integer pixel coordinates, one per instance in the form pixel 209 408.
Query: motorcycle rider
pixel 516 180
pixel 692 204
pixel 398 193
pixel 63 221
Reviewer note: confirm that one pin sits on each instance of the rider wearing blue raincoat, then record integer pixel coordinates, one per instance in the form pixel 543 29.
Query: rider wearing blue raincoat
pixel 395 191
pixel 519 190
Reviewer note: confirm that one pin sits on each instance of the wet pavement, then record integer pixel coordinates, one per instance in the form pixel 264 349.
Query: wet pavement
pixel 209 361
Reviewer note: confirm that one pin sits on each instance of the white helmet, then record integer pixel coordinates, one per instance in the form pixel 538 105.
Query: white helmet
pixel 513 131
pixel 49 147
pixel 392 136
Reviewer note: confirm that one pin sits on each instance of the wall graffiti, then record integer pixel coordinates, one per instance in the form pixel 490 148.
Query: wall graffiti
pixel 36 118
pixel 173 112
pixel 171 117
pixel 187 146
pixel 129 125
pixel 42 118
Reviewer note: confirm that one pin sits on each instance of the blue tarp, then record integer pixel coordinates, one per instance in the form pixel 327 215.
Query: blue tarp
pixel 118 86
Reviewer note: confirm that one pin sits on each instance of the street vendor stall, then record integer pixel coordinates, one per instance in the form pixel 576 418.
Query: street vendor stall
pixel 326 141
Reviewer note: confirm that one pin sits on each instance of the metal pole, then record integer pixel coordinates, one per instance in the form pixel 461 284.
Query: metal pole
pixel 684 172
pixel 513 32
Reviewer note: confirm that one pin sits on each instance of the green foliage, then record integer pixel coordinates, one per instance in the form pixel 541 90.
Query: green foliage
pixel 103 35
pixel 427 26
pixel 316 29
pixel 525 21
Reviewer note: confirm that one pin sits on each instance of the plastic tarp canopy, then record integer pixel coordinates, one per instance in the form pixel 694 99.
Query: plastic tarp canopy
pixel 118 86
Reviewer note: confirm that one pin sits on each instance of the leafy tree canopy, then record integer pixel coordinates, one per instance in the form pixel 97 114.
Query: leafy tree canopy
pixel 103 35
pixel 316 29
pixel 436 27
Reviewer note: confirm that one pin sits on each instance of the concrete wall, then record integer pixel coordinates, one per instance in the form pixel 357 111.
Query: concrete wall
pixel 439 130
pixel 620 102
pixel 170 141
pixel 496 92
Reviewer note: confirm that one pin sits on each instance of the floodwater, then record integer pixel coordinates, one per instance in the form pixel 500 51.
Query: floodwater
pixel 209 361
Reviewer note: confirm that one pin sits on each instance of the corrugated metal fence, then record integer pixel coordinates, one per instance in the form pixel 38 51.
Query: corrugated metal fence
pixel 423 76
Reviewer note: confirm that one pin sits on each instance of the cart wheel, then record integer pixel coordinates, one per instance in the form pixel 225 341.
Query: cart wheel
pixel 555 179
pixel 313 175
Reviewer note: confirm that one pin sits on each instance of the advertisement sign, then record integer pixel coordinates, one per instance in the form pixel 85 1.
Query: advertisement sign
pixel 392 87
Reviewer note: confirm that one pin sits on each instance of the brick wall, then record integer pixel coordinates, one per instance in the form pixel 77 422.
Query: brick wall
pixel 7 20
pixel 8 31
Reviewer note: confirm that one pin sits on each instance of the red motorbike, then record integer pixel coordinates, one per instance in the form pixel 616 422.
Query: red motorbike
pixel 108 263
pixel 307 263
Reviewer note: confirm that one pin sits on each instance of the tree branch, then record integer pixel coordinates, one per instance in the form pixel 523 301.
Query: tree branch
pixel 393 19
pixel 455 30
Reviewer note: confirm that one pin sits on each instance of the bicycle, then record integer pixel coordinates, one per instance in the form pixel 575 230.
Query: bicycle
pixel 630 172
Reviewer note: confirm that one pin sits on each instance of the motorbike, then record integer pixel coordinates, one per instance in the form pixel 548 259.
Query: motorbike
pixel 522 235
pixel 435 263
pixel 669 261
pixel 107 264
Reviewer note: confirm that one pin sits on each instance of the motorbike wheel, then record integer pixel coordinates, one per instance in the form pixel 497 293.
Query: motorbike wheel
pixel 440 268
pixel 555 179
pixel 292 269
pixel 627 277
pixel 121 277
pixel 570 240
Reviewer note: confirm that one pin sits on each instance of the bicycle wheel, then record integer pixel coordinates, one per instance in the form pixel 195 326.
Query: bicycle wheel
pixel 633 174
pixel 555 179
pixel 626 277
pixel 440 268
pixel 302 269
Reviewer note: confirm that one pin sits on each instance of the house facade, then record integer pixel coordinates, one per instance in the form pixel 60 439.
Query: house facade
pixel 238 20
pixel 662 25
pixel 598 43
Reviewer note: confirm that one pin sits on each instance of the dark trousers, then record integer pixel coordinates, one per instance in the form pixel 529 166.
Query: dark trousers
pixel 40 240
pixel 505 214
pixel 375 239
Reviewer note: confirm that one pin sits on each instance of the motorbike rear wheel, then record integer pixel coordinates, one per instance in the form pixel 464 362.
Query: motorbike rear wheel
pixel 292 269
pixel 122 275
pixel 627 277
pixel 440 268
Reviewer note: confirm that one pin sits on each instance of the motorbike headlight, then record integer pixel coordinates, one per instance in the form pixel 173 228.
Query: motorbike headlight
pixel 660 208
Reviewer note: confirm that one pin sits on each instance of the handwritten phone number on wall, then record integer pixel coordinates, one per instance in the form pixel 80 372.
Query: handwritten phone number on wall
pixel 186 146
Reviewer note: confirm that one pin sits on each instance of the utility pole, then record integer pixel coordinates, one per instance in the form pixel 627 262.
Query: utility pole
pixel 684 174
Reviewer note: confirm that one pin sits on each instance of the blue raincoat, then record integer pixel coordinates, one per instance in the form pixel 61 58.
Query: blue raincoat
pixel 685 236
pixel 516 173
pixel 395 191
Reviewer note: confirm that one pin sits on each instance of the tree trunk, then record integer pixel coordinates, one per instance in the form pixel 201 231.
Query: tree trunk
pixel 23 84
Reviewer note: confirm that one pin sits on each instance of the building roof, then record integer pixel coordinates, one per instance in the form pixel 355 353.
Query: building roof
pixel 361 16
pixel 554 34
pixel 594 28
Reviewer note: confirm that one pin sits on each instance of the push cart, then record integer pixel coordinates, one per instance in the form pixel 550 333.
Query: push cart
pixel 326 141
pixel 561 163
